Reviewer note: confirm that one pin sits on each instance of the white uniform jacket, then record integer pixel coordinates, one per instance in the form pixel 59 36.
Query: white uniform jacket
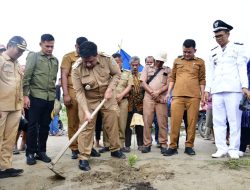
pixel 227 70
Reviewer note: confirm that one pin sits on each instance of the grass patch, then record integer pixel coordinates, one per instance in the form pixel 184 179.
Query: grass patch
pixel 233 164
pixel 237 164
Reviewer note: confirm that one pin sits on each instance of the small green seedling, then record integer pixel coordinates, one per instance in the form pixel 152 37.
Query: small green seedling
pixel 132 159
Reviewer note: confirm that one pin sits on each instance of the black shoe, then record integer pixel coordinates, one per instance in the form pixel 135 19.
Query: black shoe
pixel 43 157
pixel 104 149
pixel 170 152
pixel 30 159
pixel 94 153
pixel 11 172
pixel 146 149
pixel 118 154
pixel 84 165
pixel 74 154
pixel 163 150
pixel 189 151
pixel 125 149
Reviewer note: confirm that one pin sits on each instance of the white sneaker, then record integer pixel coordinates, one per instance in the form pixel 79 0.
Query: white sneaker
pixel 218 154
pixel 241 154
pixel 234 154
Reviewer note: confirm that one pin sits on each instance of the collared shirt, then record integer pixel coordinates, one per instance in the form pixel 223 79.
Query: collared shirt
pixel 227 70
pixel 160 80
pixel 11 93
pixel 187 76
pixel 91 84
pixel 67 61
pixel 135 98
pixel 40 76
pixel 125 80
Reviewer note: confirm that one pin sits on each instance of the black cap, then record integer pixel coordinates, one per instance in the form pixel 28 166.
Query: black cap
pixel 88 49
pixel 19 42
pixel 220 25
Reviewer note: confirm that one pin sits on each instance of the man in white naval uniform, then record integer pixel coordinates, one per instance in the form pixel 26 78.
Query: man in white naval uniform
pixel 226 81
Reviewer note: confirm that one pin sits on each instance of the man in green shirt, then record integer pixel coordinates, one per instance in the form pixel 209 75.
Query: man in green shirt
pixel 39 94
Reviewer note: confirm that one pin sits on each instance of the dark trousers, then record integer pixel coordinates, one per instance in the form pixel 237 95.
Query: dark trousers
pixel 38 128
pixel 244 138
pixel 156 129
pixel 128 132
pixel 98 126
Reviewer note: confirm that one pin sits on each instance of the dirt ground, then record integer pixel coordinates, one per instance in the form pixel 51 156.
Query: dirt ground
pixel 151 171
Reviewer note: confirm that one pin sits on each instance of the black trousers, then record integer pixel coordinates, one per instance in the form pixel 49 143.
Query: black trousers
pixel 128 132
pixel 98 126
pixel 38 128
pixel 244 138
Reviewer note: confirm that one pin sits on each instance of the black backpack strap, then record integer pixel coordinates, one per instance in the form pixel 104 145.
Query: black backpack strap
pixel 153 76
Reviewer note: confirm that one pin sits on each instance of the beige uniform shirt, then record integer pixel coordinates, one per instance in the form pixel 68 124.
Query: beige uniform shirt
pixel 68 60
pixel 160 80
pixel 91 84
pixel 11 91
pixel 125 81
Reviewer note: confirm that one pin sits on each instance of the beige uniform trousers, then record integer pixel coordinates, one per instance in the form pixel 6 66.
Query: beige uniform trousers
pixel 123 105
pixel 150 107
pixel 9 123
pixel 110 124
pixel 73 122
pixel 178 105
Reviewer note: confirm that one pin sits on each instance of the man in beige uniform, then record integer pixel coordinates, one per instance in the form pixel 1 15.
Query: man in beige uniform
pixel 95 77
pixel 11 103
pixel 155 82
pixel 124 86
pixel 69 96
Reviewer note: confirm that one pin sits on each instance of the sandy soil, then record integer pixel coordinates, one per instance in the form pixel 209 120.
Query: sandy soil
pixel 152 171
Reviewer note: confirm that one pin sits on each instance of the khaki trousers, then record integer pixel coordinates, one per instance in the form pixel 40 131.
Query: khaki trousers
pixel 123 120
pixel 149 109
pixel 73 121
pixel 122 124
pixel 110 124
pixel 178 105
pixel 9 123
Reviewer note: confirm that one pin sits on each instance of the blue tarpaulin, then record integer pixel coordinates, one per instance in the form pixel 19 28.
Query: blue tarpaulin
pixel 125 59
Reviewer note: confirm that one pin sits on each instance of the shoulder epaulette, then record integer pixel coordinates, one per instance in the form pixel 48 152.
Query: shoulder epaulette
pixel 214 48
pixel 180 56
pixel 237 43
pixel 103 54
pixel 77 63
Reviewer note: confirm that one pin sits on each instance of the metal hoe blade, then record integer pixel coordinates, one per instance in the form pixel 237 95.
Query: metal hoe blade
pixel 59 174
